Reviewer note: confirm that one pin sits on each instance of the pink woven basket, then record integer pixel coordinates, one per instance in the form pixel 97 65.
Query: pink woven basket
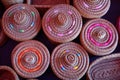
pixel 30 59
pixel 99 37
pixel 21 22
pixel 105 68
pixel 7 73
pixel 69 61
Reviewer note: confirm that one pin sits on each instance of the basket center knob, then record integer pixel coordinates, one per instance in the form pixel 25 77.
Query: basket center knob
pixel 61 18
pixel 20 17
pixel 30 59
pixel 70 59
pixel 101 34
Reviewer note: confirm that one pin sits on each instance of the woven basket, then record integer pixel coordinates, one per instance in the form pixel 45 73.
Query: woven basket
pixel 105 68
pixel 3 37
pixel 21 22
pixel 62 23
pixel 92 8
pixel 7 73
pixel 30 59
pixel 99 37
pixel 8 3
pixel 118 27
pixel 69 61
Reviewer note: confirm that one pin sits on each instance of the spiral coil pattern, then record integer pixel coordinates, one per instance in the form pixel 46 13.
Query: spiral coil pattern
pixel 92 8
pixel 7 73
pixel 21 22
pixel 62 23
pixel 99 37
pixel 105 68
pixel 69 61
pixel 30 59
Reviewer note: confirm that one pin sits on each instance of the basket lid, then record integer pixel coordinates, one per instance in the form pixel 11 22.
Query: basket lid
pixel 62 23
pixel 99 37
pixel 7 73
pixel 69 61
pixel 30 59
pixel 105 68
pixel 92 8
pixel 21 22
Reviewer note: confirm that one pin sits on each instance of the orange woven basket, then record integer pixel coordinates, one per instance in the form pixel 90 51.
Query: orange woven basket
pixel 105 68
pixel 30 59
pixel 69 61
pixel 7 73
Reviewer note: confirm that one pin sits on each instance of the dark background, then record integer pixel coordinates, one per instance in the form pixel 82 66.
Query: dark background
pixel 6 49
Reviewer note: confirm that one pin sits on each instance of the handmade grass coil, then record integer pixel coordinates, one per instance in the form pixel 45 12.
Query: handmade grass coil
pixel 69 61
pixel 118 26
pixel 105 68
pixel 92 8
pixel 30 59
pixel 8 3
pixel 62 23
pixel 21 22
pixel 99 37
pixel 7 73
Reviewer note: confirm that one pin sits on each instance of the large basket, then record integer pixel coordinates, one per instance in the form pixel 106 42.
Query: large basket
pixel 7 73
pixel 69 61
pixel 105 68
pixel 30 59
pixel 99 37
pixel 62 23
pixel 92 8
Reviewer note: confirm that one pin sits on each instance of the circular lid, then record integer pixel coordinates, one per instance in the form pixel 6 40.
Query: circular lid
pixel 30 59
pixel 105 68
pixel 62 23
pixel 7 73
pixel 3 37
pixel 69 61
pixel 21 22
pixel 99 37
pixel 92 8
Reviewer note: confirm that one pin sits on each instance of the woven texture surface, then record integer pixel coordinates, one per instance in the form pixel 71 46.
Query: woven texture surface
pixel 62 23
pixel 69 61
pixel 21 22
pixel 30 59
pixel 99 37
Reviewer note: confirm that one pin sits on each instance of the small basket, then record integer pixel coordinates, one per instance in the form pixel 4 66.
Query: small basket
pixel 62 23
pixel 7 73
pixel 99 37
pixel 92 8
pixel 21 22
pixel 105 68
pixel 69 61
pixel 30 59
pixel 8 3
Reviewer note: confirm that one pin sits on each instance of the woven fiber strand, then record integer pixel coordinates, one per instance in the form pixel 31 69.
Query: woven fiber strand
pixel 105 68
pixel 8 3
pixel 30 59
pixel 7 73
pixel 3 37
pixel 92 8
pixel 21 22
pixel 62 23
pixel 99 37
pixel 118 26
pixel 69 61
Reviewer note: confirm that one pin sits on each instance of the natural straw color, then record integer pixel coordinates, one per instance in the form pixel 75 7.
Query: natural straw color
pixel 99 37
pixel 105 68
pixel 8 3
pixel 21 22
pixel 30 59
pixel 7 73
pixel 69 61
pixel 92 8
pixel 62 23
